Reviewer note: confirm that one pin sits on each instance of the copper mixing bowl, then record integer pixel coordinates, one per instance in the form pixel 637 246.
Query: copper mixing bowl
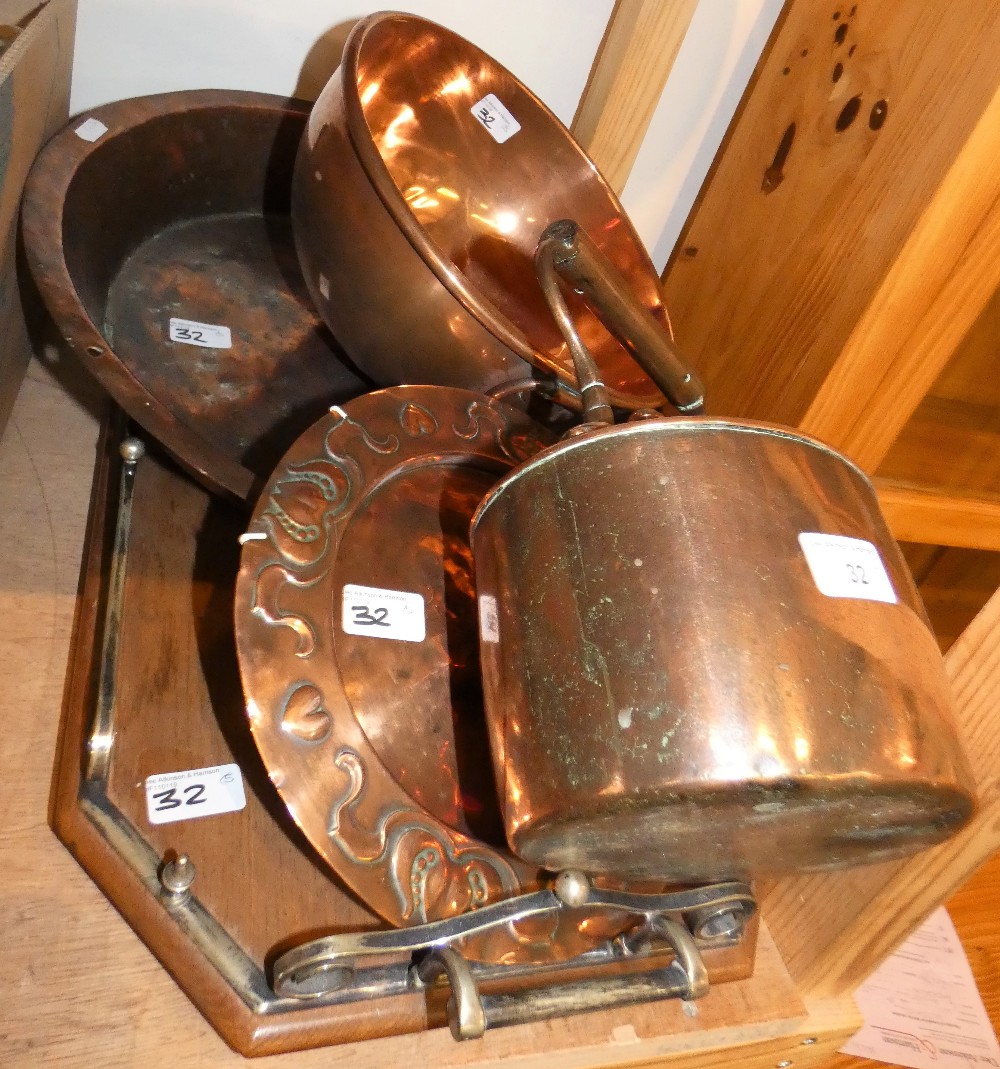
pixel 417 214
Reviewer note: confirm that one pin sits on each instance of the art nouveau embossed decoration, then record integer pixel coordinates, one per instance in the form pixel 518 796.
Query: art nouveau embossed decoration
pixel 358 646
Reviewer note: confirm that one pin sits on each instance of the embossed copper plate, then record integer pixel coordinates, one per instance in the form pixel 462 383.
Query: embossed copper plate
pixel 375 739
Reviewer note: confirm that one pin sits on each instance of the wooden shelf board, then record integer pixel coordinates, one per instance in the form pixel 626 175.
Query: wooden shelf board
pixel 955 584
pixel 939 517
pixel 948 444
pixel 638 51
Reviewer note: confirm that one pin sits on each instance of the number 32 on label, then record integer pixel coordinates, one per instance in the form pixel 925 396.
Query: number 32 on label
pixel 374 612
pixel 198 792
pixel 207 335
pixel 844 567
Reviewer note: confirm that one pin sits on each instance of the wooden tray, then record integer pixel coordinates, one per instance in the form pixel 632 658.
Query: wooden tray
pixel 153 687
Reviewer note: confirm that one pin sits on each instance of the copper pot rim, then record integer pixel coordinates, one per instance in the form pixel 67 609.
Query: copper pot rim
pixel 388 192
pixel 664 425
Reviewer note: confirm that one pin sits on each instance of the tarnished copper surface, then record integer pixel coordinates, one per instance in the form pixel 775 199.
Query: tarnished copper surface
pixel 181 209
pixel 417 229
pixel 668 692
pixel 377 744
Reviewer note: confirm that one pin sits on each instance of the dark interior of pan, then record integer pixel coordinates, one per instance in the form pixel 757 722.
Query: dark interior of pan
pixel 158 232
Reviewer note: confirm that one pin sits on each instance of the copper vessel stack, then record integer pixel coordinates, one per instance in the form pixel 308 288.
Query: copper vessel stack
pixel 546 660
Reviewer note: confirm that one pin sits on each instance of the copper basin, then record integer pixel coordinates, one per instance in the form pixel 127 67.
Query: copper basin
pixel 708 659
pixel 177 208
pixel 417 208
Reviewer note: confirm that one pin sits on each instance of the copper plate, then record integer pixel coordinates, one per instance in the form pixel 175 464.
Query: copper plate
pixel 180 210
pixel 377 745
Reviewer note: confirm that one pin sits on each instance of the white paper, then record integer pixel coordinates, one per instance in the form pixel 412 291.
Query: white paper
pixel 921 1007
pixel 376 613
pixel 197 792
pixel 495 118
pixel 91 130
pixel 207 335
pixel 489 620
pixel 847 567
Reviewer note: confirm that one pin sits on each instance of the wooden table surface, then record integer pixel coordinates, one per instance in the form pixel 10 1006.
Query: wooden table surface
pixel 77 987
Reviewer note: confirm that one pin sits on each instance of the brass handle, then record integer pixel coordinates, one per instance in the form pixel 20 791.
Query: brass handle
pixel 471 1012
pixel 566 251
pixel 715 914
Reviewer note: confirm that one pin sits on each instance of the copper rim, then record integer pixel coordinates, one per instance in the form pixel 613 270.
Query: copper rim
pixel 42 215
pixel 154 136
pixel 668 425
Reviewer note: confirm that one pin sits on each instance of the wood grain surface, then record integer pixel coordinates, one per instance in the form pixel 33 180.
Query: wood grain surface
pixel 940 516
pixel 638 51
pixel 952 441
pixel 35 68
pixel 955 585
pixel 842 246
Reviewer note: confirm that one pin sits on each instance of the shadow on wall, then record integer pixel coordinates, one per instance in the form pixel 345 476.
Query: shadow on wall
pixel 322 60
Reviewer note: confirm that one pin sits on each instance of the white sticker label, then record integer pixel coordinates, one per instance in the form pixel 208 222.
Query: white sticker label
pixel 207 335
pixel 377 613
pixel 489 621
pixel 846 567
pixel 495 118
pixel 199 792
pixel 91 130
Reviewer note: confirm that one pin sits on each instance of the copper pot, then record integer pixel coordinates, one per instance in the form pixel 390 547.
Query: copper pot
pixel 708 659
pixel 417 220
pixel 703 655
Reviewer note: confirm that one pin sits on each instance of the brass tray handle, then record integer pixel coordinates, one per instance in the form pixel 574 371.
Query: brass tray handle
pixel 684 921
pixel 566 251
pixel 471 1013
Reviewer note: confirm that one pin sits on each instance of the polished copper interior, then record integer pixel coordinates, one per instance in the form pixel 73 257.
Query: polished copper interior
pixel 441 258
pixel 480 205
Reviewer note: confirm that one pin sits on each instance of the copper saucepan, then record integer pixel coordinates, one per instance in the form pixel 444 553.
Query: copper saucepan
pixel 426 175
pixel 703 655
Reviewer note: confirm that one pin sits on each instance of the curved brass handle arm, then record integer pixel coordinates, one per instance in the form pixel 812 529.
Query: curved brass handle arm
pixel 593 393
pixel 565 248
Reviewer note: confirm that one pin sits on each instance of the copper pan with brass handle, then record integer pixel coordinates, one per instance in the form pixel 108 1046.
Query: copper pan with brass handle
pixel 706 658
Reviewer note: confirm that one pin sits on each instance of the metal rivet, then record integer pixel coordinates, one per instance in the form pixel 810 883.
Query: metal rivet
pixel 809 1042
pixel 783 1065
pixel 572 888
pixel 730 924
pixel 132 450
pixel 177 877
pixel 95 350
